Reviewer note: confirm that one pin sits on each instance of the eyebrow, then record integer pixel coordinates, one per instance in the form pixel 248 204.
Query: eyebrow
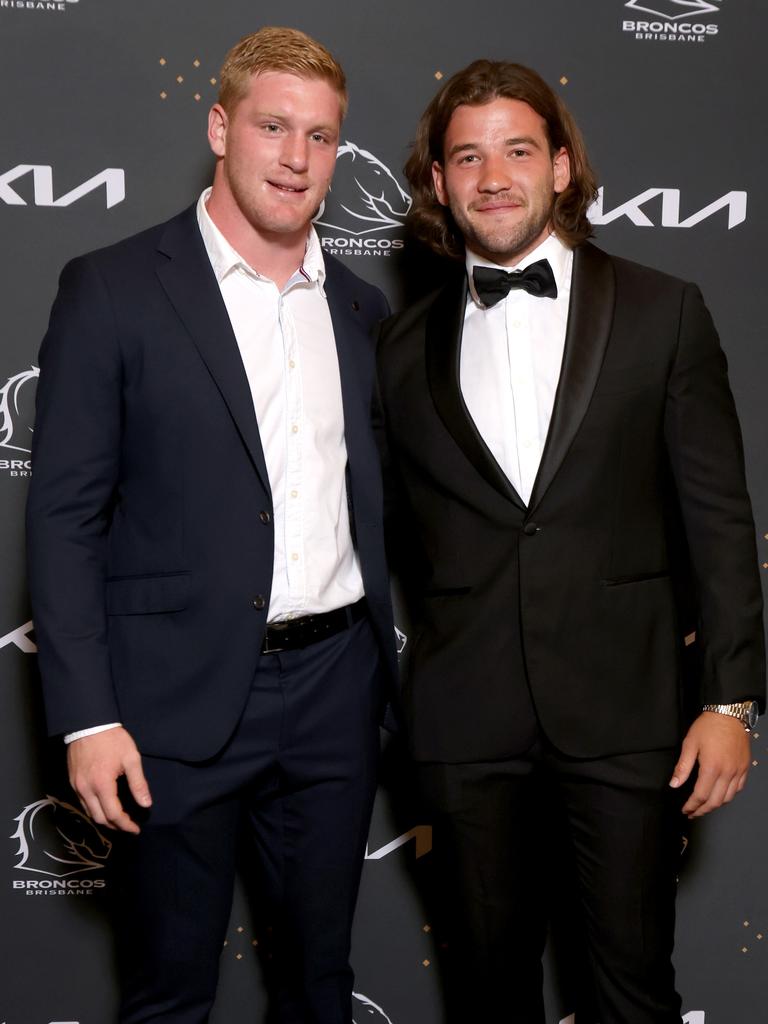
pixel 516 141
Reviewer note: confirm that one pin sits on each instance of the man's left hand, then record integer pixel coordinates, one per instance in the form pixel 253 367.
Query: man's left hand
pixel 720 745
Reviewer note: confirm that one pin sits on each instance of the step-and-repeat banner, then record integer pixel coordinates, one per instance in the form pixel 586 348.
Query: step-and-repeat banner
pixel 103 133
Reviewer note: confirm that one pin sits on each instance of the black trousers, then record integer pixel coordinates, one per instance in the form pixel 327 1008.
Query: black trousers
pixel 511 837
pixel 300 770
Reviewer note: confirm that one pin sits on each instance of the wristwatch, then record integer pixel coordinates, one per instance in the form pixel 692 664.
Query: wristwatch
pixel 745 711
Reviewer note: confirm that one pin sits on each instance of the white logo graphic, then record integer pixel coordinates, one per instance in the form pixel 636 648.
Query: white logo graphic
pixel 38 5
pixel 57 840
pixel 20 638
pixel 422 838
pixel 735 202
pixel 674 9
pixel 16 411
pixel 112 178
pixel 679 21
pixel 400 639
pixel 364 205
pixel 368 1012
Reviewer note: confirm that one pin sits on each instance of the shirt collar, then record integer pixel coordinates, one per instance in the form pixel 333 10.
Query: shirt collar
pixel 551 249
pixel 225 259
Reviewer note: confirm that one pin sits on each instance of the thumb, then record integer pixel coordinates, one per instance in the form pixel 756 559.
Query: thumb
pixel 137 783
pixel 685 763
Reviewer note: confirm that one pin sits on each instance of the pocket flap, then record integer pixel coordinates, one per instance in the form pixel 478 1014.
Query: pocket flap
pixel 142 595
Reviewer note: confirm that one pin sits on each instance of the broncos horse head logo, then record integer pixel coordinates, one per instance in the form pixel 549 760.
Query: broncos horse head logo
pixel 59 840
pixel 16 410
pixel 367 1012
pixel 673 9
pixel 364 196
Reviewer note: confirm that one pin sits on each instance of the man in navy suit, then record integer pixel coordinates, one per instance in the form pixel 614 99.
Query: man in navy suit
pixel 205 551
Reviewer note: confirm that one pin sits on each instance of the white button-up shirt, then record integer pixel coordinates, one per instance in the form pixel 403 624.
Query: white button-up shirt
pixel 511 355
pixel 288 350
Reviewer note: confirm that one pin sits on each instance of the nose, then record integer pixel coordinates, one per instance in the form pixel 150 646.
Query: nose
pixel 295 153
pixel 495 174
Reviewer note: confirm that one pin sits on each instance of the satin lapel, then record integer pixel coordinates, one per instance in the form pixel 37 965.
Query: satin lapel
pixel 445 325
pixel 190 283
pixel 589 324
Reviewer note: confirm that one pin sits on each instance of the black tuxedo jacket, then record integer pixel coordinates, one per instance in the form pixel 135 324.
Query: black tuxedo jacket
pixel 638 532
pixel 150 532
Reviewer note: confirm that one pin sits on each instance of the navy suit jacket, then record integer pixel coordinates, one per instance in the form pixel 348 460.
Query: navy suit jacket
pixel 150 566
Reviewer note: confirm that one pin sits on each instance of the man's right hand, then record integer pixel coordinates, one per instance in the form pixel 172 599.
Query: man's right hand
pixel 95 764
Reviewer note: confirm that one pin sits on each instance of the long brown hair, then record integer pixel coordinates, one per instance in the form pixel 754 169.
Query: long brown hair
pixel 480 83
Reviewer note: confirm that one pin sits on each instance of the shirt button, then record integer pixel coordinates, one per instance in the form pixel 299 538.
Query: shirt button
pixel 265 517
pixel 292 364
pixel 259 602
pixel 530 529
pixel 294 494
pixel 294 557
pixel 294 429
pixel 515 323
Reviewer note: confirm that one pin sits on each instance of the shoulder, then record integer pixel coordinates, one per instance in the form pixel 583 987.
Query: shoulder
pixel 629 275
pixel 450 287
pixel 135 250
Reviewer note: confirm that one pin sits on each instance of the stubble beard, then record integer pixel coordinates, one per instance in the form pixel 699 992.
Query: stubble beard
pixel 505 244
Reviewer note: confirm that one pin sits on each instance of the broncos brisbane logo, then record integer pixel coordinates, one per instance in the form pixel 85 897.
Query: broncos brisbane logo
pixel 58 840
pixel 364 197
pixel 17 410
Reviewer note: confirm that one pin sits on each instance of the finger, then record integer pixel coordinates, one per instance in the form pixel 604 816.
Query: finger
pixel 732 790
pixel 113 811
pixel 704 785
pixel 137 782
pixel 714 799
pixel 684 766
pixel 92 807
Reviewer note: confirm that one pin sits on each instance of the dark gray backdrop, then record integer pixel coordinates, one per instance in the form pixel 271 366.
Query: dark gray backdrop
pixel 669 97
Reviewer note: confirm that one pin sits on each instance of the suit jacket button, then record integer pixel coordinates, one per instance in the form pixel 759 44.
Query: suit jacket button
pixel 265 517
pixel 530 529
pixel 259 602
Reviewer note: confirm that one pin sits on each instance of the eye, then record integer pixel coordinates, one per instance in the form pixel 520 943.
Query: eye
pixel 468 158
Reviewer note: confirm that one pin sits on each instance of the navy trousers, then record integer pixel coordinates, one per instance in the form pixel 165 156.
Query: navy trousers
pixel 300 772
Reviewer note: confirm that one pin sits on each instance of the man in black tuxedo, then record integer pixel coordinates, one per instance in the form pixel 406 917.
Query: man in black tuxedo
pixel 206 552
pixel 568 506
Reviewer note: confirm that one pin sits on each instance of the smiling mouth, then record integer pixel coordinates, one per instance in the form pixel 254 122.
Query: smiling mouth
pixel 289 189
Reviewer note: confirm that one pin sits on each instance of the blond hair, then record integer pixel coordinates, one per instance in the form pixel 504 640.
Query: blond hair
pixel 278 49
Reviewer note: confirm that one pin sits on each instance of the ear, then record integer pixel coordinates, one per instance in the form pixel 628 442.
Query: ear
pixel 561 170
pixel 217 129
pixel 438 180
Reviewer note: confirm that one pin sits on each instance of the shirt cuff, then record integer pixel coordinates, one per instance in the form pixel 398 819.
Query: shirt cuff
pixel 70 736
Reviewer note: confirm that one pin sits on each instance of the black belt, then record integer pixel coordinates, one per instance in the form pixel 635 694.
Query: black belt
pixel 293 634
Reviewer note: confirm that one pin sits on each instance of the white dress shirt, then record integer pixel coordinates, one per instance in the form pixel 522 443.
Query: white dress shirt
pixel 511 355
pixel 288 350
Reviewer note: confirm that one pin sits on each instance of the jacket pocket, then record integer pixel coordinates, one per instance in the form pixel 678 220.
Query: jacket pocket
pixel 447 591
pixel 145 595
pixel 642 577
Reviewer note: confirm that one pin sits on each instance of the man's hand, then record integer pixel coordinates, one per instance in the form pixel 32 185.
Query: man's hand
pixel 720 744
pixel 95 764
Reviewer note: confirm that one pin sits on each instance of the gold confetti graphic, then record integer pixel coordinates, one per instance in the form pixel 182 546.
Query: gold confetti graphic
pixel 191 81
pixel 438 75
pixel 563 80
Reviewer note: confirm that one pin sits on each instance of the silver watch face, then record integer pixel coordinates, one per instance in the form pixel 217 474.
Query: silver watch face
pixel 752 713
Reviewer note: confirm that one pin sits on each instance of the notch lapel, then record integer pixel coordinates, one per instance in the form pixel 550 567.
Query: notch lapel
pixel 444 328
pixel 590 318
pixel 190 283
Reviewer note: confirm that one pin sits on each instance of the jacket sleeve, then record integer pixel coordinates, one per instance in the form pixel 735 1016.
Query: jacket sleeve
pixel 705 451
pixel 75 463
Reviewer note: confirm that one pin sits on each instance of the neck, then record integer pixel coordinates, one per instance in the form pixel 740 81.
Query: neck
pixel 275 255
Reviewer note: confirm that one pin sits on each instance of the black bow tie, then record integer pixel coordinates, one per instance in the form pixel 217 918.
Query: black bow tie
pixel 494 285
